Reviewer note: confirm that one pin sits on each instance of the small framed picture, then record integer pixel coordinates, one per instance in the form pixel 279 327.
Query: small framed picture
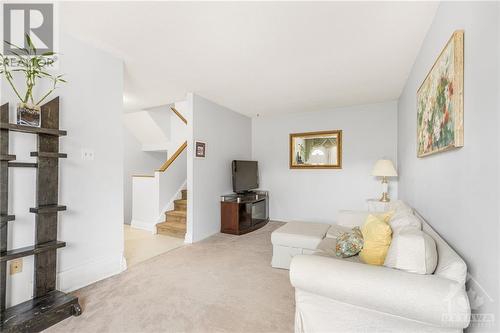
pixel 200 149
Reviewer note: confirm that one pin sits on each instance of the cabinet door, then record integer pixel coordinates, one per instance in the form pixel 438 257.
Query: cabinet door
pixel 259 212
pixel 229 218
pixel 245 216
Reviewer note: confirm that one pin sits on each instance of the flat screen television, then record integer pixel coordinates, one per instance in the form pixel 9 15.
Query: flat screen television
pixel 245 176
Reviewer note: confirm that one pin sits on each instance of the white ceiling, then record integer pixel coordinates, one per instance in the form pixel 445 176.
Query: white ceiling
pixel 256 57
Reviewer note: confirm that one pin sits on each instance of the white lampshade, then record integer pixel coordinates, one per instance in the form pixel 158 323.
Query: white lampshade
pixel 384 168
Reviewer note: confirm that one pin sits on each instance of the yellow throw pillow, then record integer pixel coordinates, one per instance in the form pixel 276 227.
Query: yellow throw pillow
pixel 377 236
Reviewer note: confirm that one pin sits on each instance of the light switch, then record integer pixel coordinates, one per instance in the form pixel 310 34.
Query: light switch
pixel 87 154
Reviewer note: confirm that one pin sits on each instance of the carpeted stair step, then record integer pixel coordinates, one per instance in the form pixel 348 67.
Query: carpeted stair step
pixel 180 205
pixel 173 229
pixel 176 216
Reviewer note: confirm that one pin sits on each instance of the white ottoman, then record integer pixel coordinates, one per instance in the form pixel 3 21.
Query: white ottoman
pixel 295 238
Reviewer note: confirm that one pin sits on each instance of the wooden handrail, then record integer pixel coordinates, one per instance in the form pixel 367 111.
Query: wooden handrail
pixel 173 157
pixel 176 154
pixel 179 115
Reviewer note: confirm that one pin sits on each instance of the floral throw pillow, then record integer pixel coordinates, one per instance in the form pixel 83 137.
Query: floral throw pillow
pixel 349 243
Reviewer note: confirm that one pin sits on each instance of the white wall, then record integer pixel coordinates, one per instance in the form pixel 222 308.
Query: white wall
pixel 161 115
pixel 153 196
pixel 144 203
pixel 150 128
pixel 136 162
pixel 179 132
pixel 369 133
pixel 457 191
pixel 91 111
pixel 170 183
pixel 228 137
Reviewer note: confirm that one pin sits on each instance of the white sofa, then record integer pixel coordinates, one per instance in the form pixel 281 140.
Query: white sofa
pixel 338 295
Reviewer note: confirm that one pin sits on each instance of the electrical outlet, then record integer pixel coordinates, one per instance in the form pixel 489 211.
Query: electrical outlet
pixel 87 154
pixel 16 266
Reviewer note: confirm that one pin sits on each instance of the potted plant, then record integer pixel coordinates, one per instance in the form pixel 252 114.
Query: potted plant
pixel 34 67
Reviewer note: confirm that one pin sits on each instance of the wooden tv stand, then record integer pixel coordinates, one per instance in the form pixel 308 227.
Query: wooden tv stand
pixel 242 213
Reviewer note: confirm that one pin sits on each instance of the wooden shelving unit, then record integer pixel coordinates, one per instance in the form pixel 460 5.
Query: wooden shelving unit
pixel 243 213
pixel 48 306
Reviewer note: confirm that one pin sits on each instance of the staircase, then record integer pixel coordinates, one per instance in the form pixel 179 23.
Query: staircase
pixel 175 220
pixel 165 129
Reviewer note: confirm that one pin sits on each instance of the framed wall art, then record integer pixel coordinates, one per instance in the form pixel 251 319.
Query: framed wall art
pixel 316 150
pixel 440 106
pixel 200 149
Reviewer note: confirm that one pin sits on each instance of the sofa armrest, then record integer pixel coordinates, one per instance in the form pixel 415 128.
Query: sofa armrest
pixel 425 298
pixel 351 218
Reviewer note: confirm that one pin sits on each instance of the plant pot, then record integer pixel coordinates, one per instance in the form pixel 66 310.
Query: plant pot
pixel 28 115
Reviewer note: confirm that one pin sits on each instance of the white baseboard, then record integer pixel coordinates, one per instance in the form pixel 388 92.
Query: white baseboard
pixel 90 272
pixel 206 234
pixel 188 238
pixel 151 227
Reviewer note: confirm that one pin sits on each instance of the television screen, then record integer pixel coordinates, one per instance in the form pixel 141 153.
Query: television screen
pixel 245 176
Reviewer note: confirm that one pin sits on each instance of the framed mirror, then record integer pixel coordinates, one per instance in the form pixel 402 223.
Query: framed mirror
pixel 316 150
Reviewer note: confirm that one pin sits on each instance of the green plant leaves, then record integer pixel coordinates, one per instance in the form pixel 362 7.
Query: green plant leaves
pixel 32 65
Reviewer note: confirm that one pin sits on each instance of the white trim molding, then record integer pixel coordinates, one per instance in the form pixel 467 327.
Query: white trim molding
pixel 90 272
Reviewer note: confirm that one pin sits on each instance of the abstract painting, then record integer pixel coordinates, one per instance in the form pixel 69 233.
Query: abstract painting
pixel 440 101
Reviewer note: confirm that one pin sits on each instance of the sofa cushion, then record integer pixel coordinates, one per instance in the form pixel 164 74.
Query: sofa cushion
pixel 412 250
pixel 377 238
pixel 450 265
pixel 349 243
pixel 305 235
pixel 399 206
pixel 326 248
pixel 403 219
pixel 336 230
pixel 351 218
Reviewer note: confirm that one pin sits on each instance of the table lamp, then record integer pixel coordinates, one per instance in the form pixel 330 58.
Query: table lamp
pixel 384 169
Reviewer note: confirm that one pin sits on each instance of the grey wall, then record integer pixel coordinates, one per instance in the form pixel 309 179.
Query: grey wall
pixel 369 133
pixel 136 162
pixel 457 191
pixel 228 137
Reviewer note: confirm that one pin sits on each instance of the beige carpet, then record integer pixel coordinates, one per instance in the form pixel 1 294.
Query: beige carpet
pixel 141 245
pixel 222 284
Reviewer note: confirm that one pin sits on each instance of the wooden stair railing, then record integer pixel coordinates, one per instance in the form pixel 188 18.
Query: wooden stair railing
pixel 173 157
pixel 180 149
pixel 177 152
pixel 174 110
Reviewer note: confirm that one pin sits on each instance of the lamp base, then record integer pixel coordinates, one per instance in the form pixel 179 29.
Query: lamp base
pixel 385 197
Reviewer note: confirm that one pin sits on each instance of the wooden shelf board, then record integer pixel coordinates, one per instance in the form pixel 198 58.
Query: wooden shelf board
pixel 7 218
pixel 49 155
pixel 30 250
pixel 39 313
pixel 22 165
pixel 32 130
pixel 7 157
pixel 47 209
pixel 49 306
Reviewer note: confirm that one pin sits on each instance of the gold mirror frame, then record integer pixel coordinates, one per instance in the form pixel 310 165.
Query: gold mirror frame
pixel 337 133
